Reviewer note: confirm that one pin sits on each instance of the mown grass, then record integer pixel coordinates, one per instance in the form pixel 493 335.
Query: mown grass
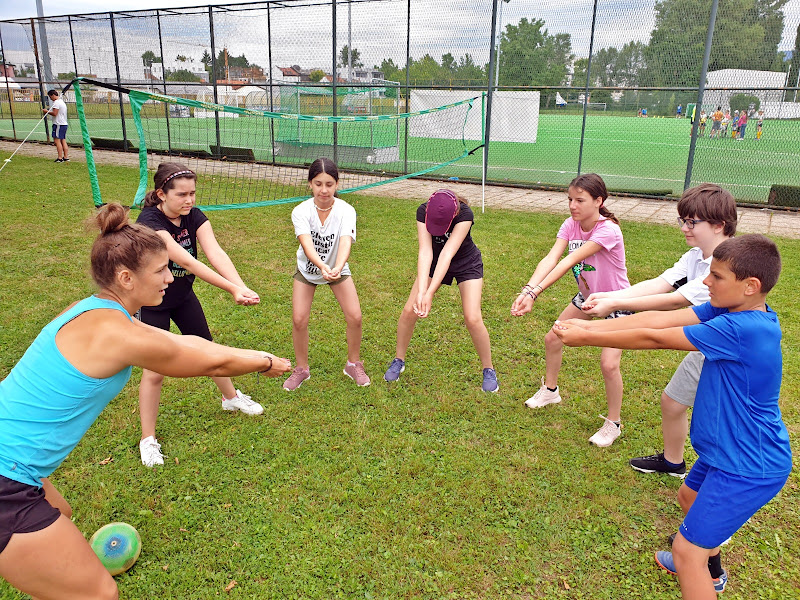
pixel 424 489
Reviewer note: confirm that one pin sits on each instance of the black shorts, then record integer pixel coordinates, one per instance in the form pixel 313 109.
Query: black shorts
pixel 472 272
pixel 188 316
pixel 23 509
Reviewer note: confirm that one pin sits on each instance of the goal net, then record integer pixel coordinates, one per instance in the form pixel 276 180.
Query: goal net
pixel 245 155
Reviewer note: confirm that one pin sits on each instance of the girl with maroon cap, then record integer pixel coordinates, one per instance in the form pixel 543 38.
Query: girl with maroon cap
pixel 446 252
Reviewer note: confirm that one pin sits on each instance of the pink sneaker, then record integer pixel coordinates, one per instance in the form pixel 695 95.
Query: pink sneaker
pixel 357 373
pixel 296 379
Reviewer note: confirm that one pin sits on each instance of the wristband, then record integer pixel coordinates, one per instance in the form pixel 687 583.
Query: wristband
pixel 269 367
pixel 531 294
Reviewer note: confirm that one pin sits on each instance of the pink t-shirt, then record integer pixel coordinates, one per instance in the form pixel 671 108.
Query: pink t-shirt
pixel 605 270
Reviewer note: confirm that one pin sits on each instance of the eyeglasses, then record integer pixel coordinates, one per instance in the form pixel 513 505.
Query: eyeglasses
pixel 690 223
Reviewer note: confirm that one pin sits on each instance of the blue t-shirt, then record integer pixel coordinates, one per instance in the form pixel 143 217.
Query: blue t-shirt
pixel 47 405
pixel 736 423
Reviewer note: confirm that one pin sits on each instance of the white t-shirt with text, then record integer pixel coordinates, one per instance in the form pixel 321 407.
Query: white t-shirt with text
pixel 340 222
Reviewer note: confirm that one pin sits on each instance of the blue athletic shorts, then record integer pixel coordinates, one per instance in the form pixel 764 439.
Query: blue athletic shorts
pixel 59 132
pixel 724 503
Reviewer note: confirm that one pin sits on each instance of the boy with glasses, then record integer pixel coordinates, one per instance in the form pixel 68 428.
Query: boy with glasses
pixel 707 217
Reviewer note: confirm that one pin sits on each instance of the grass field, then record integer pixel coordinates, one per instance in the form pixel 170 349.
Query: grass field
pixel 424 489
pixel 643 155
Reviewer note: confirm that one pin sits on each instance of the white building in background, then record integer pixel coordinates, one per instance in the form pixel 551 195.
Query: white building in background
pixel 738 80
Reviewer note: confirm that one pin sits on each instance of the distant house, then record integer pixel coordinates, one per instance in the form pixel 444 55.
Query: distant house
pixel 367 75
pixel 736 81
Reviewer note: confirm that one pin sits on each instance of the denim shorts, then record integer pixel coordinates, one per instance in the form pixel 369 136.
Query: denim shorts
pixel 714 517
pixel 23 509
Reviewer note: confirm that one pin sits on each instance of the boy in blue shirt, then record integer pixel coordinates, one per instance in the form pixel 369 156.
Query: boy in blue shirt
pixel 737 430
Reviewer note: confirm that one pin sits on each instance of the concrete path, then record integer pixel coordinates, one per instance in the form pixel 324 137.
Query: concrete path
pixel 768 221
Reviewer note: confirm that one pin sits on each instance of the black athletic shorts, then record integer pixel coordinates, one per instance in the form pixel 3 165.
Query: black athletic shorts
pixel 474 271
pixel 188 316
pixel 23 509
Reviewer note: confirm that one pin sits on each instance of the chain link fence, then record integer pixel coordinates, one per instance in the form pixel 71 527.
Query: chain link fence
pixel 610 88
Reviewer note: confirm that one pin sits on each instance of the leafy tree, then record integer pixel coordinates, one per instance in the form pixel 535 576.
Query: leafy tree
pixel 316 75
pixel 355 58
pixel 449 62
pixel 149 57
pixel 67 76
pixel 746 36
pixel 742 102
pixel 181 75
pixel 468 71
pixel 529 55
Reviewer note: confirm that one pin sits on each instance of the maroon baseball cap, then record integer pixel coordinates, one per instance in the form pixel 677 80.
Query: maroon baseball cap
pixel 441 210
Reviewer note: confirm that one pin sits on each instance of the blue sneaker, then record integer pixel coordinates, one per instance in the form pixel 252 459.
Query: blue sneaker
pixel 721 582
pixel 490 381
pixel 665 561
pixel 396 367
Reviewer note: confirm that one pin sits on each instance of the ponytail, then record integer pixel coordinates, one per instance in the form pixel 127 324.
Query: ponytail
pixel 164 179
pixel 121 244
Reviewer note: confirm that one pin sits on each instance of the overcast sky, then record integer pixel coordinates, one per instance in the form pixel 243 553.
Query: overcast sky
pixel 301 35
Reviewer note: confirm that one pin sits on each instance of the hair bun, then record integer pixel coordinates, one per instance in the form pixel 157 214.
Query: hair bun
pixel 111 218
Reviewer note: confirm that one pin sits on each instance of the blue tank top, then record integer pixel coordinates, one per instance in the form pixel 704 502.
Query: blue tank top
pixel 47 405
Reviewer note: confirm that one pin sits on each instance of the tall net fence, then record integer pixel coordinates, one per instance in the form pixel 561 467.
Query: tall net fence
pixel 585 87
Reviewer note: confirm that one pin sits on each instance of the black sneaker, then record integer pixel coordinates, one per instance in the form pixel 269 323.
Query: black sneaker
pixel 657 464
pixel 59 160
pixel 64 160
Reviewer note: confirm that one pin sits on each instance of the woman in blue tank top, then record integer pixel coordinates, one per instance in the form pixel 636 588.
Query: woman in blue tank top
pixel 87 353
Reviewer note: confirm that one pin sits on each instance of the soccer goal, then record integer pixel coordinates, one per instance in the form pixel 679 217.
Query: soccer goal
pixel 256 157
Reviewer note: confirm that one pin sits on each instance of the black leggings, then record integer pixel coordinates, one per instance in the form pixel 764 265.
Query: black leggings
pixel 188 316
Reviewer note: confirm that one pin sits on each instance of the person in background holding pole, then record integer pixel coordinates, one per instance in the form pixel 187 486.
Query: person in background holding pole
pixel 58 110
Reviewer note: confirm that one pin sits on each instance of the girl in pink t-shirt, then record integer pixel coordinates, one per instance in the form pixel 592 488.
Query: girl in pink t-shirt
pixel 596 257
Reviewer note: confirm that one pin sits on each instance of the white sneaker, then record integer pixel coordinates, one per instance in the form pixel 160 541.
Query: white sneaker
pixel 150 450
pixel 543 397
pixel 242 402
pixel 606 435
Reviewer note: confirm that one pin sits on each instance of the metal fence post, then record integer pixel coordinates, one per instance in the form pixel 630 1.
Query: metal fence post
pixel 335 77
pixel 214 71
pixel 489 95
pixel 163 78
pixel 408 81
pixel 119 83
pixel 271 88
pixel 39 77
pixel 586 89
pixel 8 87
pixel 701 88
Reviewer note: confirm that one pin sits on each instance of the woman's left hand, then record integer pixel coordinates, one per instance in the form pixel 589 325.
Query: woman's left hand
pixel 250 297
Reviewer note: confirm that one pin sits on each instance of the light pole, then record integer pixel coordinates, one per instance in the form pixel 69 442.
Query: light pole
pixel 349 43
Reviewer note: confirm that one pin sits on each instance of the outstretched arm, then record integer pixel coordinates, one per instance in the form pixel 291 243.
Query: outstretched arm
pixel 602 307
pixel 671 338
pixel 181 257
pixel 457 237
pixel 543 278
pixel 220 260
pixel 653 319
pixel 342 256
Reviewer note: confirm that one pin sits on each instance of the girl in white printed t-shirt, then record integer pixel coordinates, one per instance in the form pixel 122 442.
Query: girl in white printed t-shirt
pixel 325 226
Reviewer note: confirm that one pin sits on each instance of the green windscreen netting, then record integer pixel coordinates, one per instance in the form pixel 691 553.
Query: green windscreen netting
pixel 253 147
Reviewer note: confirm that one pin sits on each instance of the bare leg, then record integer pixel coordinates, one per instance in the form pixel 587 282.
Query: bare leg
pixel 554 348
pixel 674 427
pixel 54 497
pixel 406 323
pixel 471 291
pixel 149 398
pixel 302 297
pixel 225 386
pixel 346 295
pixel 56 562
pixel 609 365
pixel 691 562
